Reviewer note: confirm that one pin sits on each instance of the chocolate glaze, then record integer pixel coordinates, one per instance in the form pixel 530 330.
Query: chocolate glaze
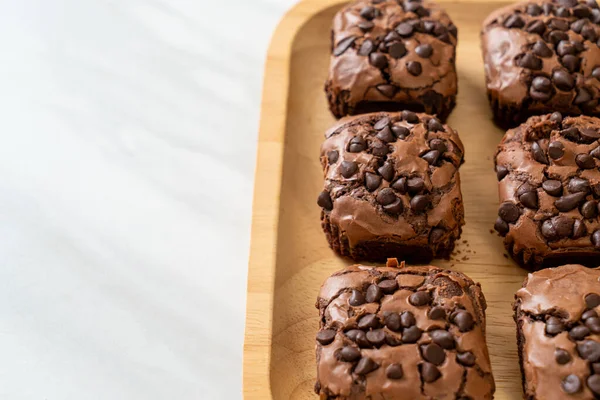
pixel 355 84
pixel 450 290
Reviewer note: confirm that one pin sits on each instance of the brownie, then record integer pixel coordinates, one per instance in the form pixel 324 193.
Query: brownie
pixel 541 57
pixel 392 55
pixel 549 186
pixel 402 333
pixel 392 187
pixel 558 330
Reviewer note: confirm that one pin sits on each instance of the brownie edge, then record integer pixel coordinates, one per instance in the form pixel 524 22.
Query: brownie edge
pixel 402 332
pixel 558 333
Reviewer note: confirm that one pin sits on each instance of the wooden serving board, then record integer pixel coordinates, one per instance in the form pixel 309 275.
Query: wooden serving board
pixel 290 257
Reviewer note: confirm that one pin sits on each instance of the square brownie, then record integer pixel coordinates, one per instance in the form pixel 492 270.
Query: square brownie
pixel 549 187
pixel 390 55
pixel 392 187
pixel 403 333
pixel 558 333
pixel 542 56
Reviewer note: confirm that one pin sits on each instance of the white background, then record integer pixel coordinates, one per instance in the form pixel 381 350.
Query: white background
pixel 126 164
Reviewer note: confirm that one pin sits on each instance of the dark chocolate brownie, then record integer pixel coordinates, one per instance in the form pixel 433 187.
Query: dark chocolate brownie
pixel 549 186
pixel 542 56
pixel 558 333
pixel 392 187
pixel 405 333
pixel 392 55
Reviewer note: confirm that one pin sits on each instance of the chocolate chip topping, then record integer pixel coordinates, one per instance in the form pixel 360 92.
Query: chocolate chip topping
pixel 429 372
pixel 442 338
pixel 467 358
pixel 326 336
pixel 394 371
pixel 356 298
pixel 571 384
pixel 349 354
pixel 562 356
pixel 420 298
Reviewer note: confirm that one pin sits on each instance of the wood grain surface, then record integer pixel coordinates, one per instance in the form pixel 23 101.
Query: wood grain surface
pixel 289 255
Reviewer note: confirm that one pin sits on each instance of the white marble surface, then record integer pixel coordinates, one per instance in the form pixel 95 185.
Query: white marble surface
pixel 126 164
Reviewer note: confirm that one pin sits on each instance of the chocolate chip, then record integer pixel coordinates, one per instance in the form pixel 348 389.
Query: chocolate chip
pixel 429 372
pixel 589 350
pixel 357 144
pixel 414 68
pixel 569 201
pixel 392 321
pixel 378 60
pixel 554 326
pixel 404 29
pixel 442 338
pixel 326 336
pixel 581 11
pixel 589 134
pixel 565 47
pixel 530 61
pixel 416 8
pixel 349 354
pixel 562 356
pixel 548 8
pixel 541 84
pixel 372 181
pixel 464 320
pixel 541 49
pixel 367 13
pixel 592 300
pixel 552 187
pixel 436 235
pixel 394 371
pixel 431 157
pixel 424 50
pixel 596 73
pixel 583 96
pixel 382 123
pixel 589 314
pixel 368 321
pixel 585 161
pixel 324 201
pixel 571 384
pixel 411 334
pixel 556 150
pixel 556 36
pixel 400 185
pixel 388 91
pixel 578 185
pixel 407 319
pixel 433 353
pixel 579 229
pixel 514 21
pixel 579 332
pixel 397 50
pixel 596 368
pixel 538 153
pixel 420 298
pixel 415 185
pixel 333 156
pixel 356 298
pixel 376 337
pixel 501 226
pixel 410 117
pixel 529 199
pixel 593 382
pixel 386 135
pixel 385 196
pixel 348 168
pixel 359 337
pixel 563 80
pixel 467 358
pixel 401 132
pixel 556 117
pixel 571 133
pixel 365 365
pixel 593 324
pixel 390 38
pixel 589 209
pixel 388 286
pixel 589 33
pixel 437 144
pixel 366 26
pixel 572 63
pixel 366 48
pixel 509 212
pixel 437 313
pixel 501 172
pixel 419 203
pixel 577 26
pixel 387 171
pixel 533 9
pixel 562 12
pixel 549 230
pixel 343 45
pixel 374 293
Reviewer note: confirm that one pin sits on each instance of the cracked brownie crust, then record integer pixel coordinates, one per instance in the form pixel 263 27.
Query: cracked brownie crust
pixel 540 57
pixel 403 333
pixel 392 55
pixel 549 187
pixel 558 333
pixel 392 187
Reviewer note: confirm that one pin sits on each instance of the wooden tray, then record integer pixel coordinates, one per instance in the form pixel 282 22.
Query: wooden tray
pixel 289 255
